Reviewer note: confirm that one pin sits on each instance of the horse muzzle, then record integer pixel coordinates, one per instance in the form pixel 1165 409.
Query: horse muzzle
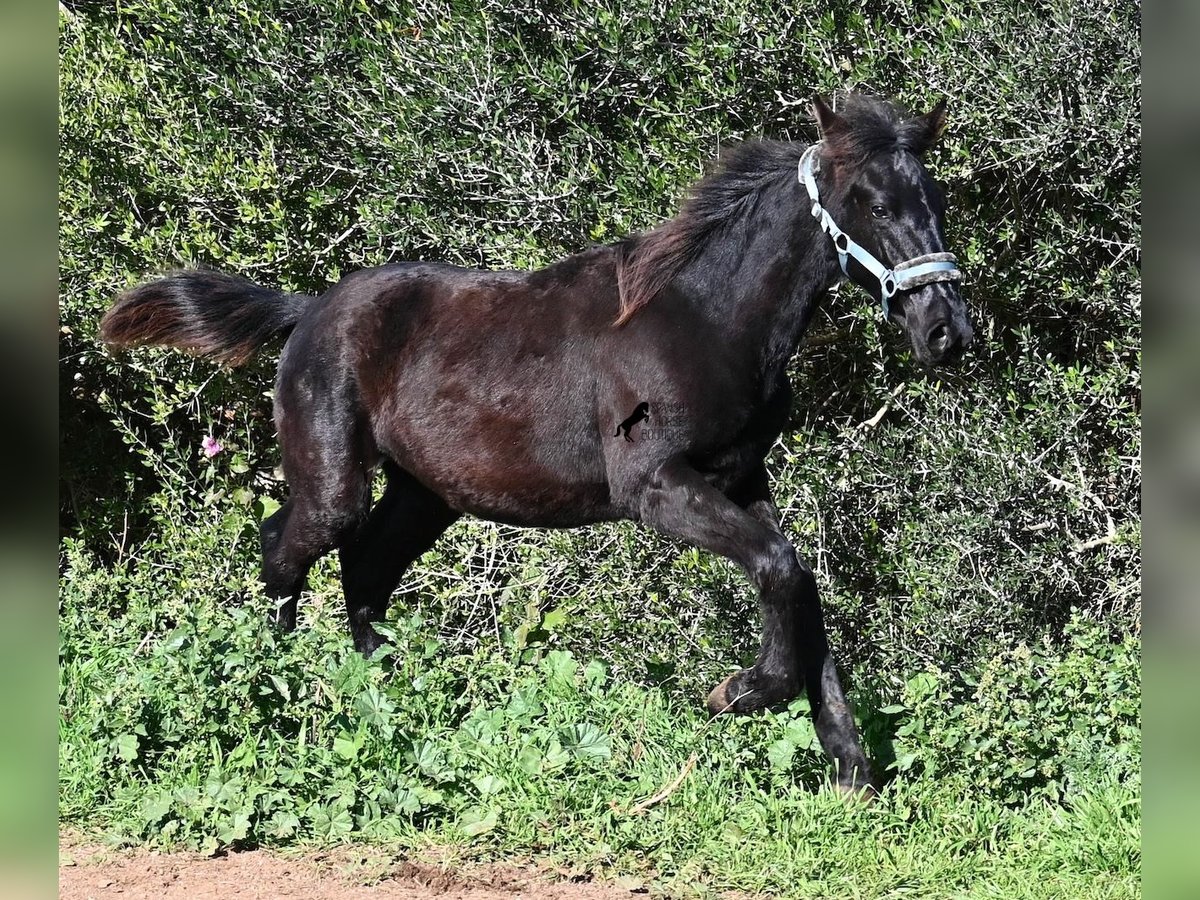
pixel 936 321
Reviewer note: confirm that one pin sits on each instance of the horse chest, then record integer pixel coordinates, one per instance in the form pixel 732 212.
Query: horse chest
pixel 743 454
pixel 730 466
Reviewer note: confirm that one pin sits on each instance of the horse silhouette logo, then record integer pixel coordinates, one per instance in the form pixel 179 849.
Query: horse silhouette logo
pixel 640 414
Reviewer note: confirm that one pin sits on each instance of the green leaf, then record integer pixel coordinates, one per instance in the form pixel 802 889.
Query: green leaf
pixel 430 758
pixel 283 824
pixel 556 757
pixel 331 823
pixel 281 686
pixel 127 747
pixel 265 507
pixel 347 746
pixel 553 619
pixel 800 706
pixel 176 639
pixel 530 760
pixel 594 674
pixel 780 754
pixel 587 741
pixel 803 734
pixel 524 705
pixel 489 784
pixel 153 807
pixel 409 802
pixel 194 803
pixel 242 756
pixel 236 828
pixel 560 666
pixel 477 820
pixel 921 685
pixel 374 707
pixel 904 762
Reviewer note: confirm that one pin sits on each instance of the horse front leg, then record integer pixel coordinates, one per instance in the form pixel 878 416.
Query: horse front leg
pixel 795 650
pixel 794 627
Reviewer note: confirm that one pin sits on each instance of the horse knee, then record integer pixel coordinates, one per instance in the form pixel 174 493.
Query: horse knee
pixel 338 527
pixel 807 580
pixel 296 536
pixel 779 569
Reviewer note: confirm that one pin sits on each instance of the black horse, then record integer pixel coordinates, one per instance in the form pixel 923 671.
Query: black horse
pixel 496 393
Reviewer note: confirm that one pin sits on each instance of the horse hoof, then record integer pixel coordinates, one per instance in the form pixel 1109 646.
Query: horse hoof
pixel 863 793
pixel 722 699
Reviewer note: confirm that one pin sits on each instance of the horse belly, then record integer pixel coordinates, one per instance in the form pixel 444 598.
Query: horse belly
pixel 490 407
pixel 516 494
pixel 504 471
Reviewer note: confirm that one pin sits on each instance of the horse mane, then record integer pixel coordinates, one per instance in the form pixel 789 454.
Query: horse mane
pixel 867 126
pixel 647 263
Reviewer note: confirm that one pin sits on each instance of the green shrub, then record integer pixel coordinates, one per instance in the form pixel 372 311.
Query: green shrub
pixel 186 721
pixel 1035 720
pixel 204 726
pixel 293 142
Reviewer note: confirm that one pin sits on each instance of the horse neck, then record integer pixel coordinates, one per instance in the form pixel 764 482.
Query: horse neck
pixel 759 281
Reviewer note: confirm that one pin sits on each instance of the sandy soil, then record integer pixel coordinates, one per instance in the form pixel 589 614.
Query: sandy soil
pixel 88 871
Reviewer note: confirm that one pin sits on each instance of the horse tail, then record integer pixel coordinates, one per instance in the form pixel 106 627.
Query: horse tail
pixel 617 433
pixel 220 316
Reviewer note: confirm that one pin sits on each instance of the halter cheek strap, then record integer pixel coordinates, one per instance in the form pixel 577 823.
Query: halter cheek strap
pixel 905 276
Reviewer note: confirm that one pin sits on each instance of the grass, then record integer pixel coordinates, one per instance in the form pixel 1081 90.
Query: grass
pixel 185 722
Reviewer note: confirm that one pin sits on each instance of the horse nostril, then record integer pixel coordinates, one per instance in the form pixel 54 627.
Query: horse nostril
pixel 938 337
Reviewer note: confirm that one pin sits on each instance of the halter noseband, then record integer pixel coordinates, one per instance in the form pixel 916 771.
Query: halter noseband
pixel 912 273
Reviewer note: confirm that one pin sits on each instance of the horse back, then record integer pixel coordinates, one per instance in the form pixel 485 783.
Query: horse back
pixel 482 384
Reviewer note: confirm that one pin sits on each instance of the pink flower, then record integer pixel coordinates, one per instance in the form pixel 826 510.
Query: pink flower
pixel 211 446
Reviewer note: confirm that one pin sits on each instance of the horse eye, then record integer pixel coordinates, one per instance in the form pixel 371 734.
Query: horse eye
pixel 879 212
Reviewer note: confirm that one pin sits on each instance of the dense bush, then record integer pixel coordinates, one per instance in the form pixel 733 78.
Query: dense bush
pixel 1032 720
pixel 949 518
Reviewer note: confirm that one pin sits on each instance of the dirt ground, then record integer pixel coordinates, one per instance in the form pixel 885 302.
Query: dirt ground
pixel 88 870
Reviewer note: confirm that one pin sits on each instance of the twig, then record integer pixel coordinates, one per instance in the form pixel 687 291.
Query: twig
pixel 669 789
pixel 883 410
pixel 825 338
pixel 666 791
pixel 1100 541
pixel 146 640
pixel 1094 542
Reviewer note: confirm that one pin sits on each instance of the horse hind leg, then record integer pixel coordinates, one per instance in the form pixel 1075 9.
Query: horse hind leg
pixel 282 577
pixel 328 468
pixel 406 522
pixel 295 537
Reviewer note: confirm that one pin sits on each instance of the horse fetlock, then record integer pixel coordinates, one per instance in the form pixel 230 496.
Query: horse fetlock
pixel 283 617
pixel 366 639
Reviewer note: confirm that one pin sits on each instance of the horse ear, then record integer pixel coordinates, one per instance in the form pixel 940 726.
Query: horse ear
pixel 827 119
pixel 925 130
